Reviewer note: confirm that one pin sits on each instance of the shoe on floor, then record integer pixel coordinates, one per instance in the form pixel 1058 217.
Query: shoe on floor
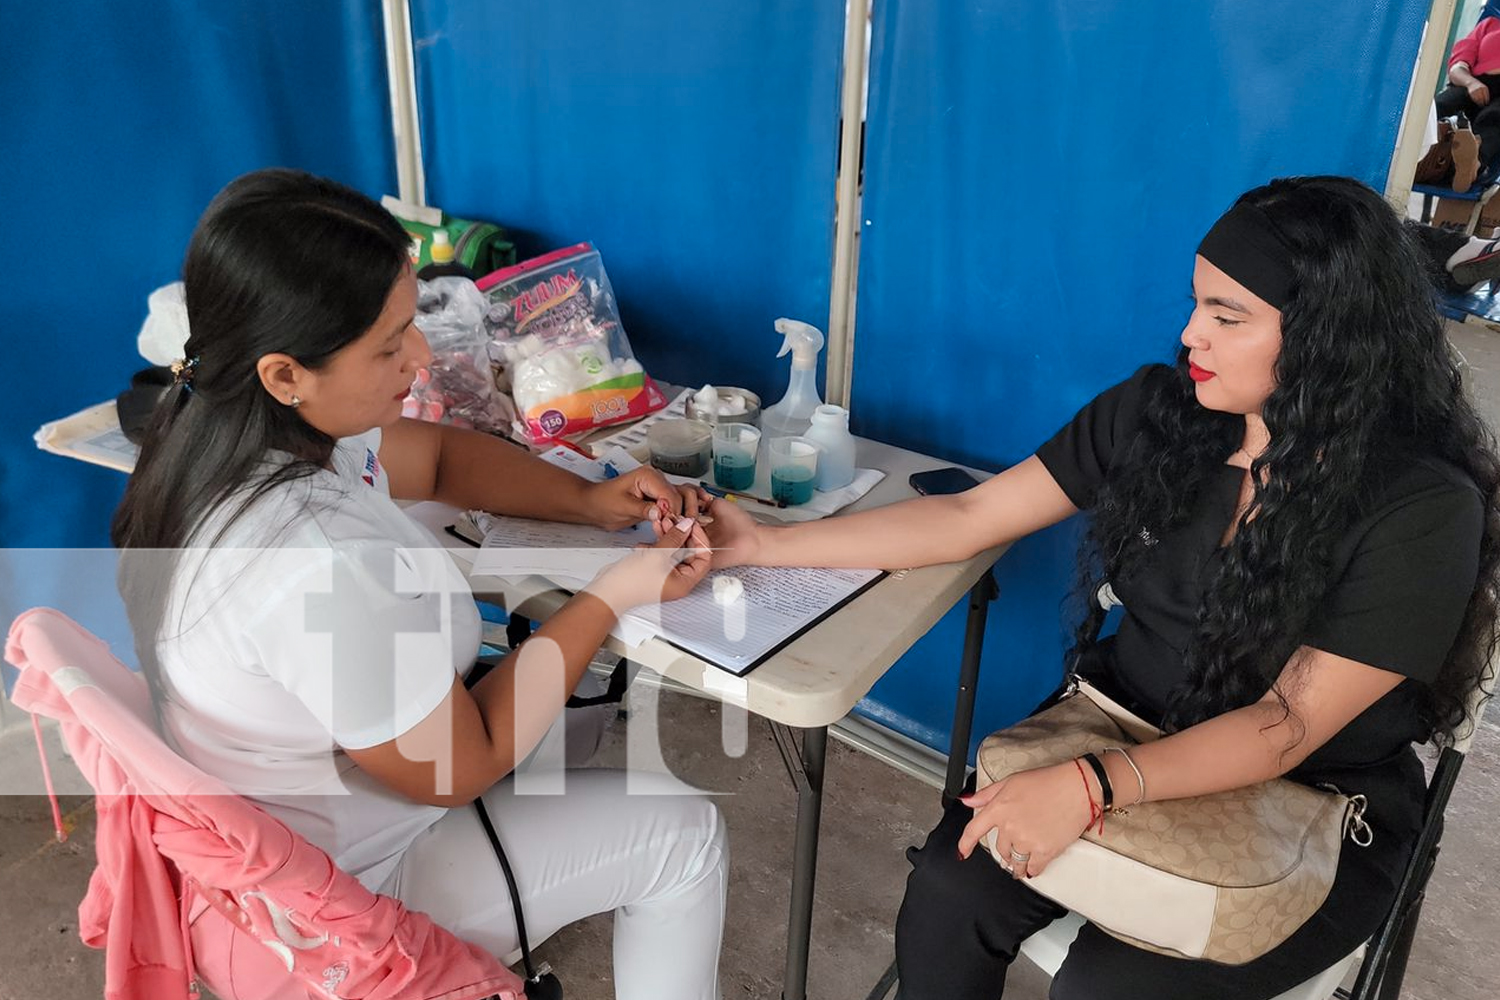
pixel 1483 266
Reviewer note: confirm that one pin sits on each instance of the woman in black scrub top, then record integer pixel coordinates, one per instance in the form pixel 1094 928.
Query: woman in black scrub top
pixel 1300 518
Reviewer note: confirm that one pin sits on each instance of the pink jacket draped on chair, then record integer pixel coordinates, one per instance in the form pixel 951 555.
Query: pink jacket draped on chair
pixel 176 847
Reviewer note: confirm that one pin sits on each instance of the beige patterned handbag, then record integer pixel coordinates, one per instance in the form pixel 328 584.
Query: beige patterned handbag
pixel 1225 877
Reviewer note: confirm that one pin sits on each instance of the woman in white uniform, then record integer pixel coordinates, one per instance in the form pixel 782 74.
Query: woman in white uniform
pixel 307 642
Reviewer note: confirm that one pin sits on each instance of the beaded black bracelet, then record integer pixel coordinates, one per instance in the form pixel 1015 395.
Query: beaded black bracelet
pixel 1105 790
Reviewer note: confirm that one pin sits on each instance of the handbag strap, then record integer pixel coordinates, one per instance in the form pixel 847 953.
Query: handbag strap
pixel 1134 726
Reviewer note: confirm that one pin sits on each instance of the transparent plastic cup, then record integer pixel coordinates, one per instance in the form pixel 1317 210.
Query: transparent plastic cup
pixel 794 469
pixel 734 455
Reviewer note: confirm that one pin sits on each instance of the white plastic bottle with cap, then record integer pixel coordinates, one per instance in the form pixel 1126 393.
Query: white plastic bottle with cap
pixel 793 415
pixel 830 432
pixel 443 265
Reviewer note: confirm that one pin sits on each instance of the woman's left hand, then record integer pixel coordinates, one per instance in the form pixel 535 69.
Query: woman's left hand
pixel 1035 815
pixel 636 496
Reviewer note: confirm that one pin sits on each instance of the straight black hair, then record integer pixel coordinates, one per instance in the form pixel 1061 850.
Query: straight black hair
pixel 280 262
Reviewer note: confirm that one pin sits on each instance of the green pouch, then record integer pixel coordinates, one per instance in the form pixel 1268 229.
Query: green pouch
pixel 479 246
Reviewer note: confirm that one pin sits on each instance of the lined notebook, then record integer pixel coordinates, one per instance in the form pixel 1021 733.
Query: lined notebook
pixel 778 603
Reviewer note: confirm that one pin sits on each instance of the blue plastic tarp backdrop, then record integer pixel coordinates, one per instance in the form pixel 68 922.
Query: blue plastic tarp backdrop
pixel 120 121
pixel 1036 178
pixel 694 143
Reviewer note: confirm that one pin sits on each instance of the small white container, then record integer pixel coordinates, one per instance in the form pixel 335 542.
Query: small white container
pixel 830 432
pixel 681 447
pixel 730 406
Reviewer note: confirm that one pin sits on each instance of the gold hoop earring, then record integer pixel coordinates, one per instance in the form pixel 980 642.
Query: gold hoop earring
pixel 295 401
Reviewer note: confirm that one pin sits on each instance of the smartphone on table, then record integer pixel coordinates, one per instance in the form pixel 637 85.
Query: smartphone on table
pixel 935 482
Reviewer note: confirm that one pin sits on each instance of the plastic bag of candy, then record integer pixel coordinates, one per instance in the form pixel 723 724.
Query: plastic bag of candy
pixel 556 337
pixel 457 387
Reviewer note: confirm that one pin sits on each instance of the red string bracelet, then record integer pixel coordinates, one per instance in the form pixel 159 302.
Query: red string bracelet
pixel 1095 813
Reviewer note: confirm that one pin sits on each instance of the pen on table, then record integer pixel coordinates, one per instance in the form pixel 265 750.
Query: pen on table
pixel 736 495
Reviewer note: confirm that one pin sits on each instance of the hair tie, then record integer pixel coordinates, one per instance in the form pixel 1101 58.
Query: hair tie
pixel 183 370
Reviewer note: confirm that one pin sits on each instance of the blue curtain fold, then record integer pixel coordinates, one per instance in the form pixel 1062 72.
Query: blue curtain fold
pixel 694 142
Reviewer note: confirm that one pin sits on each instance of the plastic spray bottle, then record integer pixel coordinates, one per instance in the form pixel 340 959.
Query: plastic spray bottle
pixel 793 415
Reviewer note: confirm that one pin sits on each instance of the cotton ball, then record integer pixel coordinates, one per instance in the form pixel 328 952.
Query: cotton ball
pixel 728 590
pixel 593 364
pixel 563 370
pixel 533 383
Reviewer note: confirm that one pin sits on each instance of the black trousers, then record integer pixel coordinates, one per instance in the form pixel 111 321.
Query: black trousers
pixel 962 922
pixel 1485 121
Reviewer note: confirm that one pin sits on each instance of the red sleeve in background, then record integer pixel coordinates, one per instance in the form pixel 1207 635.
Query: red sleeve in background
pixel 1466 49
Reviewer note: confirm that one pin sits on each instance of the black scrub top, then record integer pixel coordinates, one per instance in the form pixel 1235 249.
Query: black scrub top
pixel 1401 579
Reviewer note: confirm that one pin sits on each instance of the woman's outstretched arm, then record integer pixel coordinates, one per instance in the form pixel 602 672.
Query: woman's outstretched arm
pixel 920 532
pixel 470 469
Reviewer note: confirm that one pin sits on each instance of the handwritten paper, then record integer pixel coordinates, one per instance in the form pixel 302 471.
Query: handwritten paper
pixel 777 603
pixel 565 553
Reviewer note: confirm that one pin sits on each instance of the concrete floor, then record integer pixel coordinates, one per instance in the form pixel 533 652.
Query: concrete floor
pixel 871 814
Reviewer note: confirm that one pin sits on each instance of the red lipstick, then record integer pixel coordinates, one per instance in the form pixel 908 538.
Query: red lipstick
pixel 1199 374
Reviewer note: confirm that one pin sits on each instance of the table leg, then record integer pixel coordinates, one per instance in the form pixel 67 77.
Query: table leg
pixel 806 768
pixel 983 592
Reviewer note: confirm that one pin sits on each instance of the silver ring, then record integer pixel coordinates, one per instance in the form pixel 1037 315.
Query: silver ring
pixel 1019 858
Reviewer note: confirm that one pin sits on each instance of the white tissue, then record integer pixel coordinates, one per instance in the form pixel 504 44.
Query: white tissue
pixel 165 330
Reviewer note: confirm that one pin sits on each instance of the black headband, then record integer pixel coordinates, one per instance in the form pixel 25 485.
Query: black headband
pixel 1246 245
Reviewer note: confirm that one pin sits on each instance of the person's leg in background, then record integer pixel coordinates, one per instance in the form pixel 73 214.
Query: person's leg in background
pixel 656 856
pixel 1457 262
pixel 1453 100
pixel 1485 121
pixel 961 922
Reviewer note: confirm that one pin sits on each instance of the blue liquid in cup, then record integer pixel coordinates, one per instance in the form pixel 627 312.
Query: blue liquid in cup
pixel 734 472
pixel 792 484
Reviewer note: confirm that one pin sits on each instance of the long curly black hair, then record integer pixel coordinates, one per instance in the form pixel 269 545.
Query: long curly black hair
pixel 1364 367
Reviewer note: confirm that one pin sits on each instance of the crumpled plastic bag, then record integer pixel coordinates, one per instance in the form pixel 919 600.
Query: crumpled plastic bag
pixel 457 387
